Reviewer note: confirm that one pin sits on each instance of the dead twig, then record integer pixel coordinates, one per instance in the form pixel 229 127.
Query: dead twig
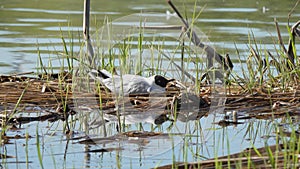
pixel 86 33
pixel 196 40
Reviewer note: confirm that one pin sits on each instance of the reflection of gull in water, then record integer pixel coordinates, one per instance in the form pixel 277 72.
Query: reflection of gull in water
pixel 152 111
pixel 150 117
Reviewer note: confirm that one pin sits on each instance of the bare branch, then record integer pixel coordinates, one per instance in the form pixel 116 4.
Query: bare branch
pixel 86 32
pixel 196 40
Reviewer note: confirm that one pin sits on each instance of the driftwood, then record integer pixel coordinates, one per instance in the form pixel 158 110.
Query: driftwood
pixel 211 52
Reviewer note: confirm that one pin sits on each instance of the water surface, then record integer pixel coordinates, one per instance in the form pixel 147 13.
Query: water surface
pixel 31 25
pixel 27 27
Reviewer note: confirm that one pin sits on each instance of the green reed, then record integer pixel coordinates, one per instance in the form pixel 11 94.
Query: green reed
pixel 38 147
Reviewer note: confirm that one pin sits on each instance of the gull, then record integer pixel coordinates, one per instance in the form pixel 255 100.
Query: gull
pixel 130 84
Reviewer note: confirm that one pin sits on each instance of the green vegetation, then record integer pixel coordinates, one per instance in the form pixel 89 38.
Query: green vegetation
pixel 264 78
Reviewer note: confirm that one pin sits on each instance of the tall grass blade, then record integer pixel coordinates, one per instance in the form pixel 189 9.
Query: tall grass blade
pixel 38 147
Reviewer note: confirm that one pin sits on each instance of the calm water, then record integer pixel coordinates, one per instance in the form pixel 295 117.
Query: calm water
pixel 26 26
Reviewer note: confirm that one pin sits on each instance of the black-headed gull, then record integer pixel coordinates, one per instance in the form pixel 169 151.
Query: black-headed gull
pixel 131 84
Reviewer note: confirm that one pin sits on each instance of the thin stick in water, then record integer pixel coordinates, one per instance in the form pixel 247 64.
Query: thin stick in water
pixel 86 32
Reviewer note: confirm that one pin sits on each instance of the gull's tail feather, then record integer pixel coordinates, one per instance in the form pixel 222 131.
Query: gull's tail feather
pixel 99 74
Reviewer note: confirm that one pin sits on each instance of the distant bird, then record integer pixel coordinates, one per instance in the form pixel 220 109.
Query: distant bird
pixel 265 9
pixel 131 84
pixel 169 14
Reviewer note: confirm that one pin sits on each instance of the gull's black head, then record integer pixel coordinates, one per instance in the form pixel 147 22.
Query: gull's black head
pixel 162 81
